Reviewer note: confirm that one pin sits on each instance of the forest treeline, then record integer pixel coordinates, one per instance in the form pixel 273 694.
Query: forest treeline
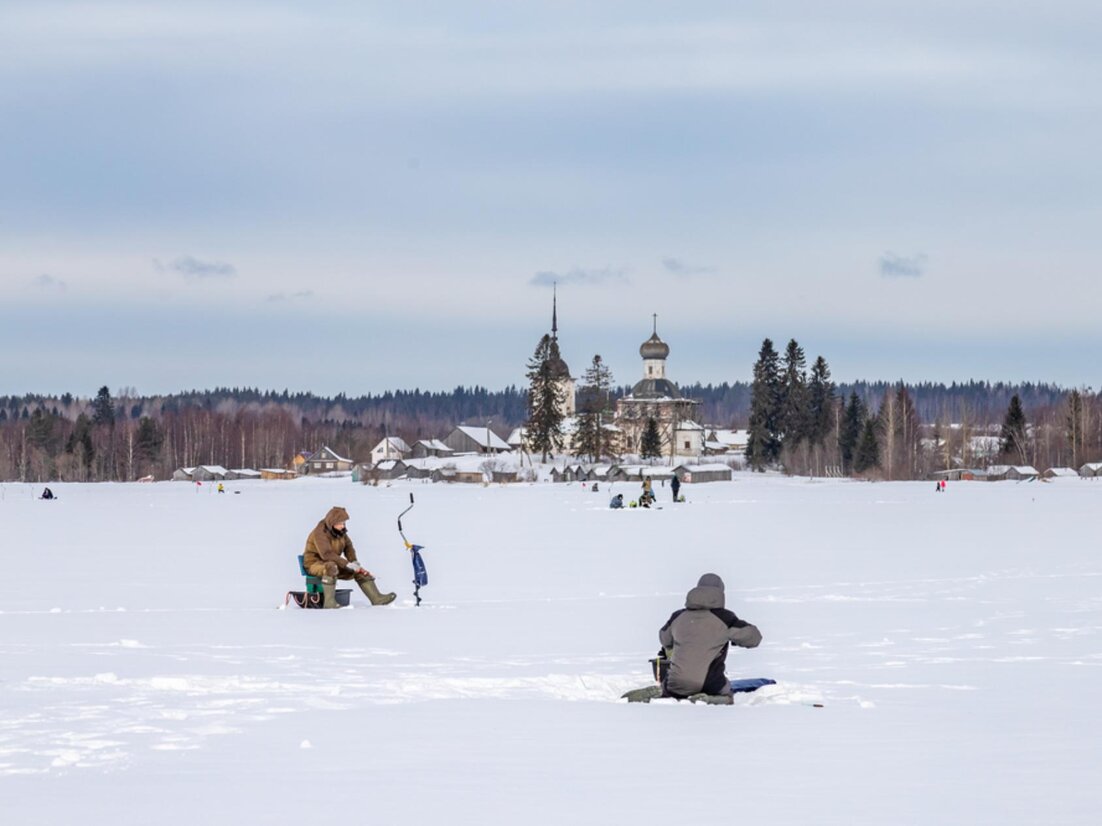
pixel 125 435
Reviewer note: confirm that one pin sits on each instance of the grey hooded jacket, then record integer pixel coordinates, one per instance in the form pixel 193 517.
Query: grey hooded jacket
pixel 696 640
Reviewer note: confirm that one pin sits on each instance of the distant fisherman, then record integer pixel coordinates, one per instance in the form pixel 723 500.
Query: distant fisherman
pixel 331 556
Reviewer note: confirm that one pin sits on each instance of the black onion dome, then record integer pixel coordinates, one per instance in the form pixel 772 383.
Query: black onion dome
pixel 654 348
pixel 559 370
pixel 655 389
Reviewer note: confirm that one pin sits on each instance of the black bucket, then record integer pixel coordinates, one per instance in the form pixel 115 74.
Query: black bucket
pixel 659 666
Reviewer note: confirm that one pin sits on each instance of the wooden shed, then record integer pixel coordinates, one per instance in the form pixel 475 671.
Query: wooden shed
pixel 696 474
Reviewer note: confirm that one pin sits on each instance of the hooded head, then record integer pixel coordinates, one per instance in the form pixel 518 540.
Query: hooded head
pixel 707 594
pixel 336 516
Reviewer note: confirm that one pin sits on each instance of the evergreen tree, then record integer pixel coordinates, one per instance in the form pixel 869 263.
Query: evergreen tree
pixel 852 419
pixel 820 402
pixel 906 434
pixel 650 446
pixel 1012 439
pixel 148 440
pixel 40 433
pixel 103 409
pixel 1073 426
pixel 763 445
pixel 80 442
pixel 794 405
pixel 868 449
pixel 594 409
pixel 544 425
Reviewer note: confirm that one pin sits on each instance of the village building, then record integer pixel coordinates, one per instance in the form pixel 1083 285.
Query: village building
pixel 276 473
pixel 1061 473
pixel 430 447
pixel 696 474
pixel 656 397
pixel 326 460
pixel 209 473
pixel 242 473
pixel 1091 470
pixel 559 370
pixel 475 439
pixel 999 473
pixel 390 448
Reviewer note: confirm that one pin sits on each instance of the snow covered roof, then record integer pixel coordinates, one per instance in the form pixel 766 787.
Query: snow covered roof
pixel 466 462
pixel 1093 467
pixel 434 444
pixel 713 466
pixel 732 437
pixel 396 443
pixel 213 469
pixel 1061 471
pixel 244 471
pixel 389 464
pixel 688 424
pixel 478 434
pixel 318 457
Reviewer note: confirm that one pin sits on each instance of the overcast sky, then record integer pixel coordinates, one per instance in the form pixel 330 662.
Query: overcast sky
pixel 348 196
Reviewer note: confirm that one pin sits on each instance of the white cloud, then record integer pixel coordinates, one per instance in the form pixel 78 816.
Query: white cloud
pixel 902 266
pixel 48 282
pixel 577 275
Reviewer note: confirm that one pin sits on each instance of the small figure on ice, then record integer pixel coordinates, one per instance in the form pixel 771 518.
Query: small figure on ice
pixel 616 502
pixel 330 555
pixel 675 486
pixel 646 498
pixel 47 494
pixel 695 641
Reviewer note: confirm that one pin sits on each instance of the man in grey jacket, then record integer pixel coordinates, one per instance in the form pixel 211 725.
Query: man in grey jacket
pixel 696 638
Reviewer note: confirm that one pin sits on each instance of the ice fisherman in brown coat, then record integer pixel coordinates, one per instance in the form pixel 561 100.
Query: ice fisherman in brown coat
pixel 330 555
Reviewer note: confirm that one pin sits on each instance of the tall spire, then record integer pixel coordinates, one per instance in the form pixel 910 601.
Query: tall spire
pixel 554 311
pixel 656 323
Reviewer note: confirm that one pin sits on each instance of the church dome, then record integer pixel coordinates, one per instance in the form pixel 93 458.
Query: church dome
pixel 654 348
pixel 559 370
pixel 655 389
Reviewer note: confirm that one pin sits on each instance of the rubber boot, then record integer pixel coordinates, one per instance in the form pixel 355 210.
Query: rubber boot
pixel 329 592
pixel 367 585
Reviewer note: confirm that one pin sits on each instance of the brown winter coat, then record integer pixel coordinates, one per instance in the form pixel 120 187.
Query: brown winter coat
pixel 326 545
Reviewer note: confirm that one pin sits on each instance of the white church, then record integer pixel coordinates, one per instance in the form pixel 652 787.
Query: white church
pixel 654 396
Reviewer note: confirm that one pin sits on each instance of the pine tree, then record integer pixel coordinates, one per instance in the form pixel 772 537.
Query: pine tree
pixel 1012 439
pixel 794 409
pixel 852 420
pixel 868 449
pixel 820 402
pixel 103 409
pixel 1073 426
pixel 594 397
pixel 763 445
pixel 80 443
pixel 544 425
pixel 149 440
pixel 650 446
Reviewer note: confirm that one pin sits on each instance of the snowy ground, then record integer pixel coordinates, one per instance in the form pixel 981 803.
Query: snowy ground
pixel 953 641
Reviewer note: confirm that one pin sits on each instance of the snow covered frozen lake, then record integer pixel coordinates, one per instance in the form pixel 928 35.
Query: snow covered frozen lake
pixel 953 640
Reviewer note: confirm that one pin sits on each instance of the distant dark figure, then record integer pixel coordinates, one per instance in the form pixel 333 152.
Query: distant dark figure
pixel 675 486
pixel 937 487
pixel 47 494
pixel 595 488
pixel 616 502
